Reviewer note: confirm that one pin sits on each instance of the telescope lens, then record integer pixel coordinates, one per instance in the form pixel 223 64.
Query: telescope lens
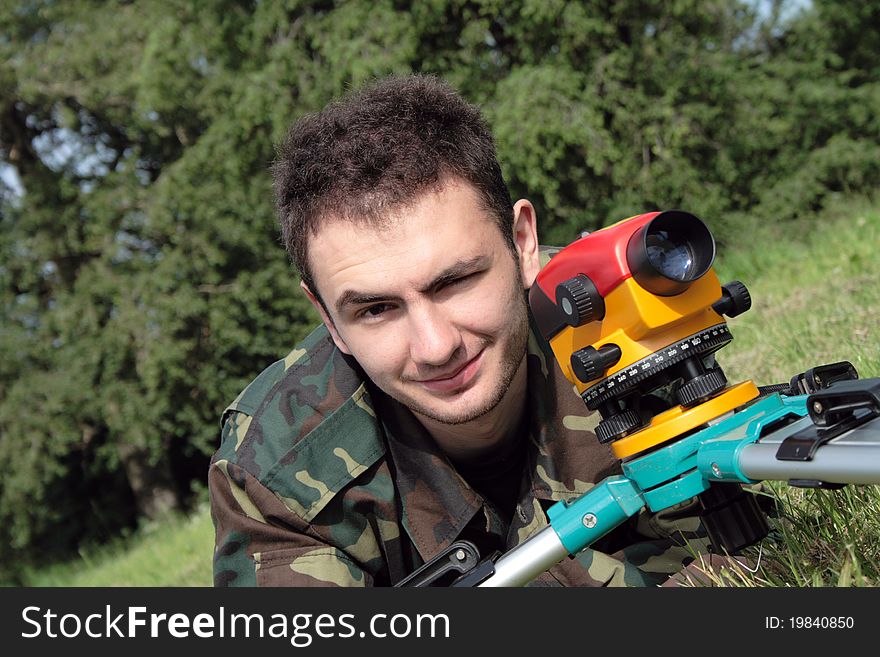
pixel 670 252
pixel 670 257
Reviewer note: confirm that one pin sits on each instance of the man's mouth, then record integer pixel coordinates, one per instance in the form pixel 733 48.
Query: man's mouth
pixel 457 378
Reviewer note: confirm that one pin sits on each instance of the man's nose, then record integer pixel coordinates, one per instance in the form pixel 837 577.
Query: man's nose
pixel 434 338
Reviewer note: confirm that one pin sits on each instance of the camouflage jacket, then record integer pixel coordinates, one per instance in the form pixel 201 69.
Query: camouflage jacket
pixel 321 480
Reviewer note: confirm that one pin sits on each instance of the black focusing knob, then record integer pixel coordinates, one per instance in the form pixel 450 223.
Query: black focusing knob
pixel 590 363
pixel 579 301
pixel 735 300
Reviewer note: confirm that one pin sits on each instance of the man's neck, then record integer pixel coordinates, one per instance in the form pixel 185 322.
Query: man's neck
pixel 503 424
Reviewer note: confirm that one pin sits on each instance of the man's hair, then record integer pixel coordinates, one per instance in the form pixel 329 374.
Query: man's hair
pixel 378 149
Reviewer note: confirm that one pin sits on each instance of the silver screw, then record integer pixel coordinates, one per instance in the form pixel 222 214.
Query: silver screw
pixel 460 555
pixel 716 470
pixel 589 520
pixel 817 407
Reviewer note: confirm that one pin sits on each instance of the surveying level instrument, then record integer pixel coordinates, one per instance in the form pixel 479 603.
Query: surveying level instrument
pixel 634 314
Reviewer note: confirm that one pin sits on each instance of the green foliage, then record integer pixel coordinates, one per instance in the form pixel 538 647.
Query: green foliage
pixel 142 281
pixel 174 550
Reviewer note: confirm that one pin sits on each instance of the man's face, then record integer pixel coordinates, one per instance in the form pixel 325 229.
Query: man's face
pixel 431 306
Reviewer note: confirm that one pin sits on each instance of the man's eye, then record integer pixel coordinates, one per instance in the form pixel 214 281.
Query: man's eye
pixel 374 311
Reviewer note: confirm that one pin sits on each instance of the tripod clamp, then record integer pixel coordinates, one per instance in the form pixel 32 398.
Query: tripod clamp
pixel 834 412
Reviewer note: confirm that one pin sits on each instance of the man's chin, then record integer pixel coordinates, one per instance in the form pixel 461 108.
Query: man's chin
pixel 457 419
pixel 460 411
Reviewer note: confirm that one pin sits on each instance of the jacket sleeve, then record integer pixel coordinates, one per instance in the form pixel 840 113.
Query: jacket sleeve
pixel 261 542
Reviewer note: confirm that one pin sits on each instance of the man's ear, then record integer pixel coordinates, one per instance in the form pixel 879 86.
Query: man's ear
pixel 328 322
pixel 525 237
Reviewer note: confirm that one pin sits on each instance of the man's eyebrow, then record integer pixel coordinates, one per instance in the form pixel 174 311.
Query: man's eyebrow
pixel 451 273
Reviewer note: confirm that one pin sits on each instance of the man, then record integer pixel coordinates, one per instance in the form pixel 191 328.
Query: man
pixel 424 410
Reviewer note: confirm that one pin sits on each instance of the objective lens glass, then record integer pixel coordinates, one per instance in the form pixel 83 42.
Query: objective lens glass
pixel 672 258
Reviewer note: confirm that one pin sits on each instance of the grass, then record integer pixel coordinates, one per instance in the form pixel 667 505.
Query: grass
pixel 825 538
pixel 821 538
pixel 815 287
pixel 175 551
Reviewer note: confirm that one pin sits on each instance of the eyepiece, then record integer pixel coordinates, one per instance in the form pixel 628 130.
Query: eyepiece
pixel 670 252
